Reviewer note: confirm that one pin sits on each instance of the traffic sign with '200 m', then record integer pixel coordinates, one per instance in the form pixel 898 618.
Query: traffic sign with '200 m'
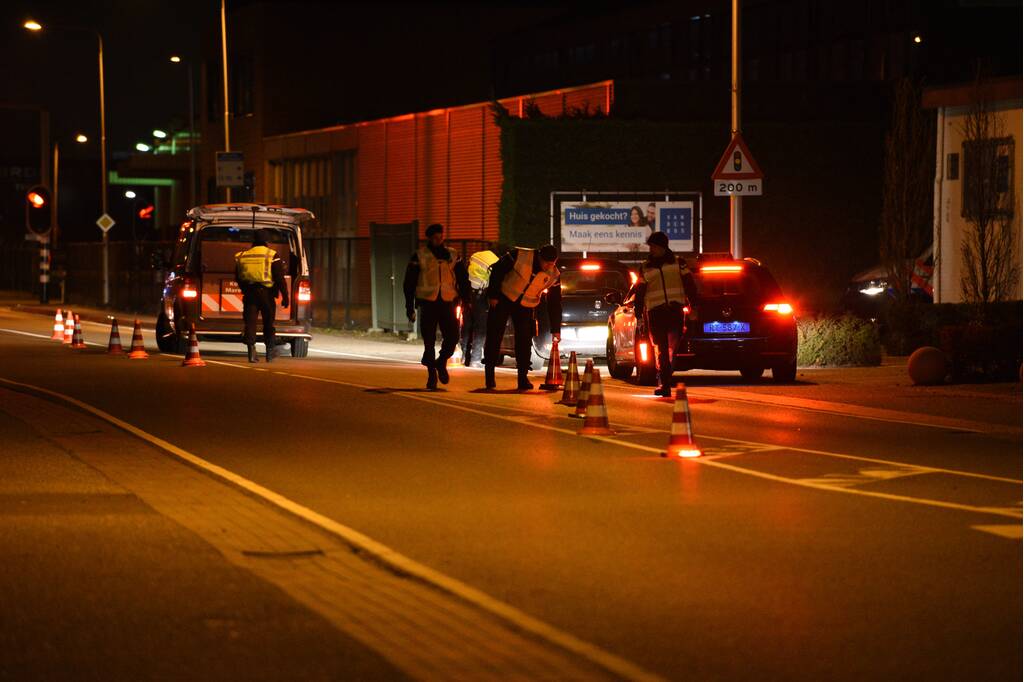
pixel 738 188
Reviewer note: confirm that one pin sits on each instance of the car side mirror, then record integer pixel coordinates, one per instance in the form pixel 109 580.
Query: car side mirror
pixel 613 298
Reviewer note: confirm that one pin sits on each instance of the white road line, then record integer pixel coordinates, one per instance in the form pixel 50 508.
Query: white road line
pixel 360 355
pixel 1009 531
pixel 509 614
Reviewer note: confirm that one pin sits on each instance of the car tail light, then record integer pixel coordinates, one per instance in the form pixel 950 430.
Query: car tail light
pixel 780 308
pixel 305 295
pixel 643 352
pixel 189 292
pixel 590 267
pixel 686 310
pixel 716 269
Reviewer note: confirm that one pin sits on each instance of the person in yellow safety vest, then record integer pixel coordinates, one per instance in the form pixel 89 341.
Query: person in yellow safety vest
pixel 519 281
pixel 260 275
pixel 436 280
pixel 665 288
pixel 474 318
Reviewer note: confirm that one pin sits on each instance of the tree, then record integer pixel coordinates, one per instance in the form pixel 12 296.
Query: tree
pixel 907 187
pixel 987 251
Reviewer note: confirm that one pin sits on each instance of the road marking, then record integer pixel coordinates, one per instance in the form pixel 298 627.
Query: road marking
pixel 383 553
pixel 44 336
pixel 359 355
pixel 1009 531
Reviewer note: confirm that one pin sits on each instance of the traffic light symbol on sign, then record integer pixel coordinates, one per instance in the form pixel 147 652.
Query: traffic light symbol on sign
pixel 38 209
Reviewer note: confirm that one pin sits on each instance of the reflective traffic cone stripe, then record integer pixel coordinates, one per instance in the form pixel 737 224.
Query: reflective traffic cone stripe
pixel 680 440
pixel 138 351
pixel 554 376
pixel 572 383
pixel 596 421
pixel 58 327
pixel 581 404
pixel 192 358
pixel 77 342
pixel 69 329
pixel 114 344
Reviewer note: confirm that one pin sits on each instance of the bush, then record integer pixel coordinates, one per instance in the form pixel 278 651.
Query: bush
pixel 842 340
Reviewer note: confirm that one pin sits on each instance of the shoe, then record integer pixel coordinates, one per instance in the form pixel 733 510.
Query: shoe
pixel 271 353
pixel 252 354
pixel 431 379
pixel 442 370
pixel 663 391
pixel 524 383
pixel 489 381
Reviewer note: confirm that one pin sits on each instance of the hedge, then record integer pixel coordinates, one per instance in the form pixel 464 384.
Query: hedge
pixel 838 341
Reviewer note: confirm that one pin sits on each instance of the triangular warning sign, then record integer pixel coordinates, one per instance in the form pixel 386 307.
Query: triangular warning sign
pixel 737 163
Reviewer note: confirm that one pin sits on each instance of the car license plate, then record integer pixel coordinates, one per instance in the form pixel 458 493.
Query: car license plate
pixel 726 327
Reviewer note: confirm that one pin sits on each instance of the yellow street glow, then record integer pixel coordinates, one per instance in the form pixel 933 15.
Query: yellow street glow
pixel 33 25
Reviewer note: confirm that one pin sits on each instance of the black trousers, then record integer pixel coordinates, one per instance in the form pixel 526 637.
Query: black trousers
pixel 474 328
pixel 666 328
pixel 523 326
pixel 434 314
pixel 258 300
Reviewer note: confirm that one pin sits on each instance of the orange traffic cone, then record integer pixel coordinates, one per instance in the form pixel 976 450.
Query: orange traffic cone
pixel 554 376
pixel 58 327
pixel 138 351
pixel 680 440
pixel 572 384
pixel 114 344
pixel 584 395
pixel 69 329
pixel 77 342
pixel 192 358
pixel 596 421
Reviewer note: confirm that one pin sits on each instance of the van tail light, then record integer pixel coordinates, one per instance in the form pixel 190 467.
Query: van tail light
pixel 780 308
pixel 643 352
pixel 189 292
pixel 590 267
pixel 304 295
pixel 721 269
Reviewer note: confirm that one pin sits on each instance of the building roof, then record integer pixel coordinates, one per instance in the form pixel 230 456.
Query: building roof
pixel 962 94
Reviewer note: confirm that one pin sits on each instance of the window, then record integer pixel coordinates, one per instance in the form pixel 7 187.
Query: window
pixel 953 166
pixel 987 189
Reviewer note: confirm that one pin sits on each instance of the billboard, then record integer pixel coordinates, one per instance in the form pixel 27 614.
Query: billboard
pixel 617 226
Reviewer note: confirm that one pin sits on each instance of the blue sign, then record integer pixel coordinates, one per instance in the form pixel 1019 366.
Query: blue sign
pixel 596 216
pixel 677 223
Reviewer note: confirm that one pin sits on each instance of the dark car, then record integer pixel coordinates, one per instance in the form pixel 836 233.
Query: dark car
pixel 200 286
pixel 587 284
pixel 737 319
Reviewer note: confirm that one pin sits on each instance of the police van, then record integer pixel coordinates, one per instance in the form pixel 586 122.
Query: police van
pixel 200 286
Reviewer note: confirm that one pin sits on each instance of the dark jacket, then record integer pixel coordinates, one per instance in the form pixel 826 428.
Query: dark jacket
pixel 553 299
pixel 412 276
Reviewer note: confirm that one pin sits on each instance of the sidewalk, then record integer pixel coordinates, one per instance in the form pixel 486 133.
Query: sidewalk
pixel 887 386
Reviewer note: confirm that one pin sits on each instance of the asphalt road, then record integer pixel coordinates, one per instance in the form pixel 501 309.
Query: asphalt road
pixel 807 544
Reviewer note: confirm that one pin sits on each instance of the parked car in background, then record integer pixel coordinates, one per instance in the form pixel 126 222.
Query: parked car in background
pixel 739 319
pixel 200 286
pixel 586 286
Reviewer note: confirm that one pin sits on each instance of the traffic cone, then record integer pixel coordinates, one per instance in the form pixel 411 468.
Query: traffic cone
pixel 596 421
pixel 114 344
pixel 192 358
pixel 553 379
pixel 138 351
pixel 69 329
pixel 77 342
pixel 572 385
pixel 58 327
pixel 680 440
pixel 584 395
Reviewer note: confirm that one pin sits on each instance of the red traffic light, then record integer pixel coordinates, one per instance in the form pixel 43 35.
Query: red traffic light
pixel 36 198
pixel 38 209
pixel 146 212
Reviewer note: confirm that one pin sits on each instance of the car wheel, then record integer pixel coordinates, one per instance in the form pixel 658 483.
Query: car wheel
pixel 166 337
pixel 618 370
pixel 784 374
pixel 300 348
pixel 751 373
pixel 647 375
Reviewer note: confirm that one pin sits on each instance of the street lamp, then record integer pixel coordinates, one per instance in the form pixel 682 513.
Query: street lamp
pixel 176 59
pixel 142 147
pixel 129 194
pixel 80 138
pixel 159 134
pixel 36 27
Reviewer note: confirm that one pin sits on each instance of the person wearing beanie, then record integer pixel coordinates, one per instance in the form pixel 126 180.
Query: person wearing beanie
pixel 260 275
pixel 519 281
pixel 435 280
pixel 665 288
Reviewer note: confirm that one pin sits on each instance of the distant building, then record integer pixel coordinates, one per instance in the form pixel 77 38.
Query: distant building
pixel 953 186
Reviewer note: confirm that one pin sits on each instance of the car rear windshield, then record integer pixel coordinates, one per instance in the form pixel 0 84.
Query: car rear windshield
pixel 750 284
pixel 576 281
pixel 220 243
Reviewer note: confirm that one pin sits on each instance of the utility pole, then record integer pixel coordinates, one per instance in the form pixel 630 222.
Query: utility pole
pixel 735 202
pixel 224 61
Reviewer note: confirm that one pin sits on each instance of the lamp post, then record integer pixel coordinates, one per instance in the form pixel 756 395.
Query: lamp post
pixel 35 26
pixel 175 59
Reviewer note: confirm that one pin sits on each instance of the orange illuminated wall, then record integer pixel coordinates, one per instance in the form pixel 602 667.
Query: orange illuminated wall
pixel 436 166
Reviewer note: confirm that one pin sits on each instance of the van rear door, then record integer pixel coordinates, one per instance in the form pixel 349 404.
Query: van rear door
pixel 221 295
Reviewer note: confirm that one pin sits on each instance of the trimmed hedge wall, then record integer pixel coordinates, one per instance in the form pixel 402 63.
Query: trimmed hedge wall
pixel 838 341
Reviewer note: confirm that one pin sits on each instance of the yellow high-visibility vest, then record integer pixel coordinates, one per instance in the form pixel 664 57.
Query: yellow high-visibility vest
pixel 480 268
pixel 254 265
pixel 521 280
pixel 664 285
pixel 436 276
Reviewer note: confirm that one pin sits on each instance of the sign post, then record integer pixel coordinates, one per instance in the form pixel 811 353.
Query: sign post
pixel 230 169
pixel 736 176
